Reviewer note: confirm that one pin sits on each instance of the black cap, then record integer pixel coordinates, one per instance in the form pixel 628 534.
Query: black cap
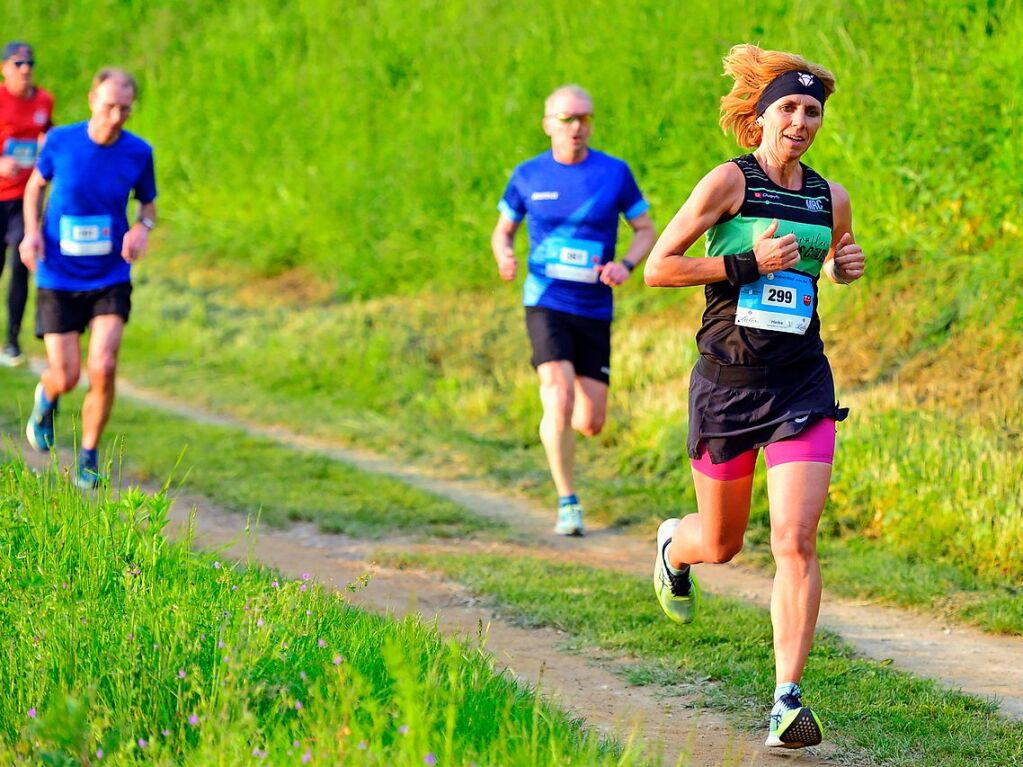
pixel 12 48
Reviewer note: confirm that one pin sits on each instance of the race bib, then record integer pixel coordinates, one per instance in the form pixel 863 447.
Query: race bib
pixel 781 301
pixel 85 235
pixel 23 151
pixel 574 260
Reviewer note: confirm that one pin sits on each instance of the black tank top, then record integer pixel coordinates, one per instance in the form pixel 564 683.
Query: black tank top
pixel 808 214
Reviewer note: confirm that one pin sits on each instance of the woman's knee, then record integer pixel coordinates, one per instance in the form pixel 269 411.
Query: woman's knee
pixel 719 552
pixel 589 425
pixel 798 542
pixel 64 378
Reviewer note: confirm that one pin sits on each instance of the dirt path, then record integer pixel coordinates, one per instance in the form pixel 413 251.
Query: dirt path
pixel 958 656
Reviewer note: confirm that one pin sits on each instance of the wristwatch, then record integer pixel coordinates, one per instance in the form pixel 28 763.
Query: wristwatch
pixel 147 222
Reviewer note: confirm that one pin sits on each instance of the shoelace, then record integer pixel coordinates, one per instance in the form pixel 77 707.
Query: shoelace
pixel 680 584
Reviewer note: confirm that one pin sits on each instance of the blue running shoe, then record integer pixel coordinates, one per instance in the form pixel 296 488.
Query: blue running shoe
pixel 39 430
pixel 793 725
pixel 87 476
pixel 678 595
pixel 570 520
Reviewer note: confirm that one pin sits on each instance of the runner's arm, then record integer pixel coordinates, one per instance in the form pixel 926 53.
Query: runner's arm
pixel 668 266
pixel 502 243
pixel 845 262
pixel 136 240
pixel 31 248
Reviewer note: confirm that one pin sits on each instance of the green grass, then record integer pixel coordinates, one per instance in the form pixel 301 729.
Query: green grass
pixel 250 474
pixel 875 715
pixel 124 648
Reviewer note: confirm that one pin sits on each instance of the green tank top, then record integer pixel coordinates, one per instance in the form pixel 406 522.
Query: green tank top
pixel 807 213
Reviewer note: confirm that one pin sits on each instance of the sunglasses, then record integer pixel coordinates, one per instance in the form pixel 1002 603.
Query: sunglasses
pixel 24 63
pixel 568 118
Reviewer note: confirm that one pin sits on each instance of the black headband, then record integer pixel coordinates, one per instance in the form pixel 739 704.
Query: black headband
pixel 788 83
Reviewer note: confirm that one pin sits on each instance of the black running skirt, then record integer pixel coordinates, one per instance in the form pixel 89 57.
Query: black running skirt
pixel 735 408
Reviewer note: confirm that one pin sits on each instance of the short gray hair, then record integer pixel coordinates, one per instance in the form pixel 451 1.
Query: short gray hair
pixel 575 90
pixel 118 74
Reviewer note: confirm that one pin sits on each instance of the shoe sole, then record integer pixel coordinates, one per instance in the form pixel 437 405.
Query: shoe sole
pixel 30 435
pixel 802 731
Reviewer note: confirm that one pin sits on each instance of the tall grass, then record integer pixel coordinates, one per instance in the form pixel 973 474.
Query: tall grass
pixel 368 142
pixel 121 648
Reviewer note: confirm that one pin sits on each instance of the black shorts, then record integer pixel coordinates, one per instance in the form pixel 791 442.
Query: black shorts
pixel 584 342
pixel 71 311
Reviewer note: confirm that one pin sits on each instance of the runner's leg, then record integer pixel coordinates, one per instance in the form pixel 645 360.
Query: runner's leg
pixel 104 345
pixel 590 406
pixel 557 395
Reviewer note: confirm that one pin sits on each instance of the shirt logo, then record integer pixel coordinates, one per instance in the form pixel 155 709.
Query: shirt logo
pixel 40 117
pixel 544 196
pixel 805 79
pixel 806 300
pixel 815 205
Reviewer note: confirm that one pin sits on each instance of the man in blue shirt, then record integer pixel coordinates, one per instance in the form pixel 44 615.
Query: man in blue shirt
pixel 82 250
pixel 572 197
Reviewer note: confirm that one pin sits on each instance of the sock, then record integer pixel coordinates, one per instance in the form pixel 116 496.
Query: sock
pixel 567 500
pixel 667 565
pixel 785 688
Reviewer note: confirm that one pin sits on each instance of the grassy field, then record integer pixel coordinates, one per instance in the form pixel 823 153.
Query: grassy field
pixel 873 714
pixel 123 648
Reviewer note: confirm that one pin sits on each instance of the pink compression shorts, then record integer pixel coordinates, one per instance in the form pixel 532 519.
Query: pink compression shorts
pixel 815 444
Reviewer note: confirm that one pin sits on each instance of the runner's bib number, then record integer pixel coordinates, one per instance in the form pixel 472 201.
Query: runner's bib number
pixel 574 260
pixel 781 301
pixel 23 151
pixel 85 235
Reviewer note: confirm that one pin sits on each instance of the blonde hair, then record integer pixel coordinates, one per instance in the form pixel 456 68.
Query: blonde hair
pixel 753 69
pixel 575 90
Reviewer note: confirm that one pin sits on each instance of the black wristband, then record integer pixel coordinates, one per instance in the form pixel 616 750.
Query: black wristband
pixel 742 268
pixel 627 265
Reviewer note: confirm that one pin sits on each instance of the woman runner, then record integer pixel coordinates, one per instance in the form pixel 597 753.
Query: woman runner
pixel 773 225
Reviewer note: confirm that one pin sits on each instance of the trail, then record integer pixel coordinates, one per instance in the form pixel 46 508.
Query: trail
pixel 958 656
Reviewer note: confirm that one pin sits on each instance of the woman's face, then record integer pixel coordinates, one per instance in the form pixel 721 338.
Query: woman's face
pixel 790 125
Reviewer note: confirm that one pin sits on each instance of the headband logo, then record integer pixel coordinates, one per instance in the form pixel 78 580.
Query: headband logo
pixel 805 79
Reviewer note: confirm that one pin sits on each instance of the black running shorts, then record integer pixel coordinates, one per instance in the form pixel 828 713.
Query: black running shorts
pixel 71 311
pixel 584 342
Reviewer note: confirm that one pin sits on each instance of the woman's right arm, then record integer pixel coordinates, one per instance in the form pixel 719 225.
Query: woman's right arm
pixel 719 192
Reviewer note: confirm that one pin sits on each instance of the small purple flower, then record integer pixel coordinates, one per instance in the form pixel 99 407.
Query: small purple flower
pixel 275 585
pixel 338 660
pixel 403 729
pixel 302 587
pixel 216 565
pixel 32 713
pixel 142 743
pixel 363 745
pixel 234 588
pixel 321 642
pixel 99 753
pixel 302 675
pixel 307 757
pixel 259 622
pixel 308 612
pixel 306 576
pixel 131 637
pixel 165 733
pixel 220 644
pixel 298 705
pixel 430 759
pixel 294 743
pixel 193 720
pixel 181 673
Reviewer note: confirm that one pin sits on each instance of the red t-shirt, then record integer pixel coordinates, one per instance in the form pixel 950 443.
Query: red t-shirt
pixel 21 122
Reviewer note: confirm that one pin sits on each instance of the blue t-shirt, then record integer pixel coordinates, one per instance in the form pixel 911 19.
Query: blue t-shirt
pixel 85 219
pixel 573 226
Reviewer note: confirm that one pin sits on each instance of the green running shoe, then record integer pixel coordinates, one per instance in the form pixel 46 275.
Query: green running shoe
pixel 39 430
pixel 570 520
pixel 678 595
pixel 794 725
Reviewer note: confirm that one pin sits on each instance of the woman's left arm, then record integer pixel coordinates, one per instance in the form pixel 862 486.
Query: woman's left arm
pixel 845 262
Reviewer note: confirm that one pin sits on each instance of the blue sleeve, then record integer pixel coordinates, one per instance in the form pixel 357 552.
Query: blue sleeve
pixel 630 199
pixel 44 163
pixel 145 187
pixel 513 204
